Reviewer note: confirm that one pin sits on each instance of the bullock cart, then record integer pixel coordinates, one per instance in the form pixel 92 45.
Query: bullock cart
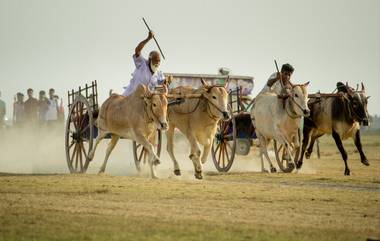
pixel 81 129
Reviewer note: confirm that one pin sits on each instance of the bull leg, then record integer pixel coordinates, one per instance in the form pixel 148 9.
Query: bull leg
pixel 99 138
pixel 170 149
pixel 311 146
pixel 343 152
pixel 283 140
pixel 305 142
pixel 358 145
pixel 264 152
pixel 152 155
pixel 111 146
pixel 195 156
pixel 206 150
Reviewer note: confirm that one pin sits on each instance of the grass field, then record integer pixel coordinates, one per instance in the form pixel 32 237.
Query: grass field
pixel 318 203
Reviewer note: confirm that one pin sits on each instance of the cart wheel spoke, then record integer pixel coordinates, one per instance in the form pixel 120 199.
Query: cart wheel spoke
pixel 73 154
pixel 228 158
pixel 80 158
pixel 71 144
pixel 229 146
pixel 76 159
pixel 223 156
pixel 217 147
pixel 84 151
pixel 85 129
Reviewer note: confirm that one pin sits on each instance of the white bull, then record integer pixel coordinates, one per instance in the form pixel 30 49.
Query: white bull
pixel 273 119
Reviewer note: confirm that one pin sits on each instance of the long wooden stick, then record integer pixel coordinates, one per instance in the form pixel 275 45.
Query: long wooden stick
pixel 163 56
pixel 278 71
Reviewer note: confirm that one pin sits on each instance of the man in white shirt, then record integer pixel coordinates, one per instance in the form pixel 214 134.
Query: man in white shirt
pixel 146 71
pixel 52 110
pixel 273 83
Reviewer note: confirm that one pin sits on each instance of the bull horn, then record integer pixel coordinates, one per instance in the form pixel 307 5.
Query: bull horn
pixel 368 97
pixel 227 81
pixel 363 89
pixel 165 90
pixel 307 83
pixel 357 87
pixel 204 82
pixel 169 79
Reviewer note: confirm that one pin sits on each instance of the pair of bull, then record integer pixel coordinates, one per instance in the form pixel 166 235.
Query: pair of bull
pixel 338 116
pixel 139 115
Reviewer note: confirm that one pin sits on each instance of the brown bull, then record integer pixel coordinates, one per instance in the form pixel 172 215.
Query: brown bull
pixel 197 119
pixel 135 117
pixel 340 117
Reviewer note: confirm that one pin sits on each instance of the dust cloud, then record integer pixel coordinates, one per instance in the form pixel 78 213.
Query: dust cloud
pixel 42 151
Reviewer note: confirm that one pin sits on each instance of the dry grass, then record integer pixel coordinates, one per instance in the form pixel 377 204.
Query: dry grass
pixel 319 203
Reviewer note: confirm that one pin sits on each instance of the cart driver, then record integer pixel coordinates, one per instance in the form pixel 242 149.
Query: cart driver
pixel 273 83
pixel 146 71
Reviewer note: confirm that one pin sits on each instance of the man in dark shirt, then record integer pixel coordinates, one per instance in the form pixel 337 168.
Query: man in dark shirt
pixel 31 108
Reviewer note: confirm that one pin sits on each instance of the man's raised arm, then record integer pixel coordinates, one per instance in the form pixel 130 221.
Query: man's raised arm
pixel 142 44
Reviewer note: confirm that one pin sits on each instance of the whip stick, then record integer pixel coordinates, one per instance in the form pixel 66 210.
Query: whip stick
pixel 278 71
pixel 163 56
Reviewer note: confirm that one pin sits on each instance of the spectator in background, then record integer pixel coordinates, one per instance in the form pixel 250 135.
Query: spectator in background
pixel 61 112
pixel 43 106
pixel 52 111
pixel 31 108
pixel 18 110
pixel 3 112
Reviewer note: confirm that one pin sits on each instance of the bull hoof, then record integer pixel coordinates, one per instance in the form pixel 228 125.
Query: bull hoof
pixel 347 172
pixel 299 165
pixel 365 162
pixel 291 166
pixel 177 172
pixel 307 155
pixel 264 171
pixel 198 175
pixel 273 170
pixel 101 172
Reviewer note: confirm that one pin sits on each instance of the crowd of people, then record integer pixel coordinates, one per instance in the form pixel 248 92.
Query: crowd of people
pixel 33 112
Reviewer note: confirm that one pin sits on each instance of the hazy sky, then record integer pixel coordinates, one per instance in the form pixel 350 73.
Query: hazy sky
pixel 67 43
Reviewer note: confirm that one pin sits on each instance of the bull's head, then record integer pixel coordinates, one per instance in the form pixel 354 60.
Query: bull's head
pixel 358 104
pixel 300 99
pixel 217 98
pixel 157 106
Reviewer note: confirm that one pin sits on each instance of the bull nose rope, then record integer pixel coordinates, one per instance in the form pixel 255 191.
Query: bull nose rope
pixel 154 118
pixel 294 115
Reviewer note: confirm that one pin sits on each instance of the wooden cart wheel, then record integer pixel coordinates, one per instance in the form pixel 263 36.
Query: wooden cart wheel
pixel 224 145
pixel 285 164
pixel 79 135
pixel 141 155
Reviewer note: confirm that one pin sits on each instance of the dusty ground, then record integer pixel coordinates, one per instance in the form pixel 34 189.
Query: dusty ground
pixel 318 203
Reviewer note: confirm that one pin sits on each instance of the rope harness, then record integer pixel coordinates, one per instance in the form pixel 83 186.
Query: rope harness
pixel 208 108
pixel 147 98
